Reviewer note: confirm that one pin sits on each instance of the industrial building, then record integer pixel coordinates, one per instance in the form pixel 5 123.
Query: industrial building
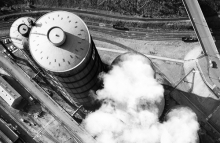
pixel 4 138
pixel 6 133
pixel 61 44
pixel 8 93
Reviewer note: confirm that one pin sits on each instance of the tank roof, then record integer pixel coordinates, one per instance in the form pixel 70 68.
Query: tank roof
pixel 15 35
pixel 59 41
pixel 129 55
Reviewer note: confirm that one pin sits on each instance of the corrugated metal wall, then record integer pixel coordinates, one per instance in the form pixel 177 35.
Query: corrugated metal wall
pixel 79 81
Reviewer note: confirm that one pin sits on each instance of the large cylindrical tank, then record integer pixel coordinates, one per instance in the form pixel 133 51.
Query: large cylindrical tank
pixel 123 57
pixel 20 30
pixel 61 44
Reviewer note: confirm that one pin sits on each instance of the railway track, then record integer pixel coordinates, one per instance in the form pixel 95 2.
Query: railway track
pixel 147 35
pixel 137 33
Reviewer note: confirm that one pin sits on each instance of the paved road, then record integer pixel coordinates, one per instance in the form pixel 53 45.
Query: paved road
pixel 210 74
pixel 146 35
pixel 139 35
pixel 38 93
pixel 149 56
pixel 7 24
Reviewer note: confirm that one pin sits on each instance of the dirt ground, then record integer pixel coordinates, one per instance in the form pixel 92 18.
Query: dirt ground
pixel 174 49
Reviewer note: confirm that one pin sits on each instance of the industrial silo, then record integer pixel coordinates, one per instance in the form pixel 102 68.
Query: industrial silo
pixel 128 56
pixel 61 44
pixel 20 30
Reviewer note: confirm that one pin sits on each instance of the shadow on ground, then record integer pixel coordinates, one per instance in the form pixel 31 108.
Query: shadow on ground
pixel 213 20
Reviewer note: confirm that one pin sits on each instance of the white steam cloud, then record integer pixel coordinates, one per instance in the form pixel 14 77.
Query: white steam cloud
pixel 133 102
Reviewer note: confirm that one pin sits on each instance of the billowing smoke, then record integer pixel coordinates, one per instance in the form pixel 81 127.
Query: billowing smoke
pixel 132 103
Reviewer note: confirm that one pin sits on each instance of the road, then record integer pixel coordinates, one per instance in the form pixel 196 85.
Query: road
pixel 149 56
pixel 141 34
pixel 40 94
pixel 137 33
pixel 152 36
pixel 7 24
pixel 210 73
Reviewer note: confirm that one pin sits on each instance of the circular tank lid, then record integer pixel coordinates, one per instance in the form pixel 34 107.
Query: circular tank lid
pixel 59 41
pixel 23 29
pixel 18 29
pixel 128 55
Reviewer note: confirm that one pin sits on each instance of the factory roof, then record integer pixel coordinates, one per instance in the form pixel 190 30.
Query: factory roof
pixel 60 41
pixel 7 131
pixel 8 93
pixel 8 87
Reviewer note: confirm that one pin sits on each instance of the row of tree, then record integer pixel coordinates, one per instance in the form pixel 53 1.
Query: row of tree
pixel 129 7
pixel 11 2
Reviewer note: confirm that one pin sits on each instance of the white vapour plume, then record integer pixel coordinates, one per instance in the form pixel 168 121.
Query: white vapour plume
pixel 181 125
pixel 132 103
pixel 128 81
